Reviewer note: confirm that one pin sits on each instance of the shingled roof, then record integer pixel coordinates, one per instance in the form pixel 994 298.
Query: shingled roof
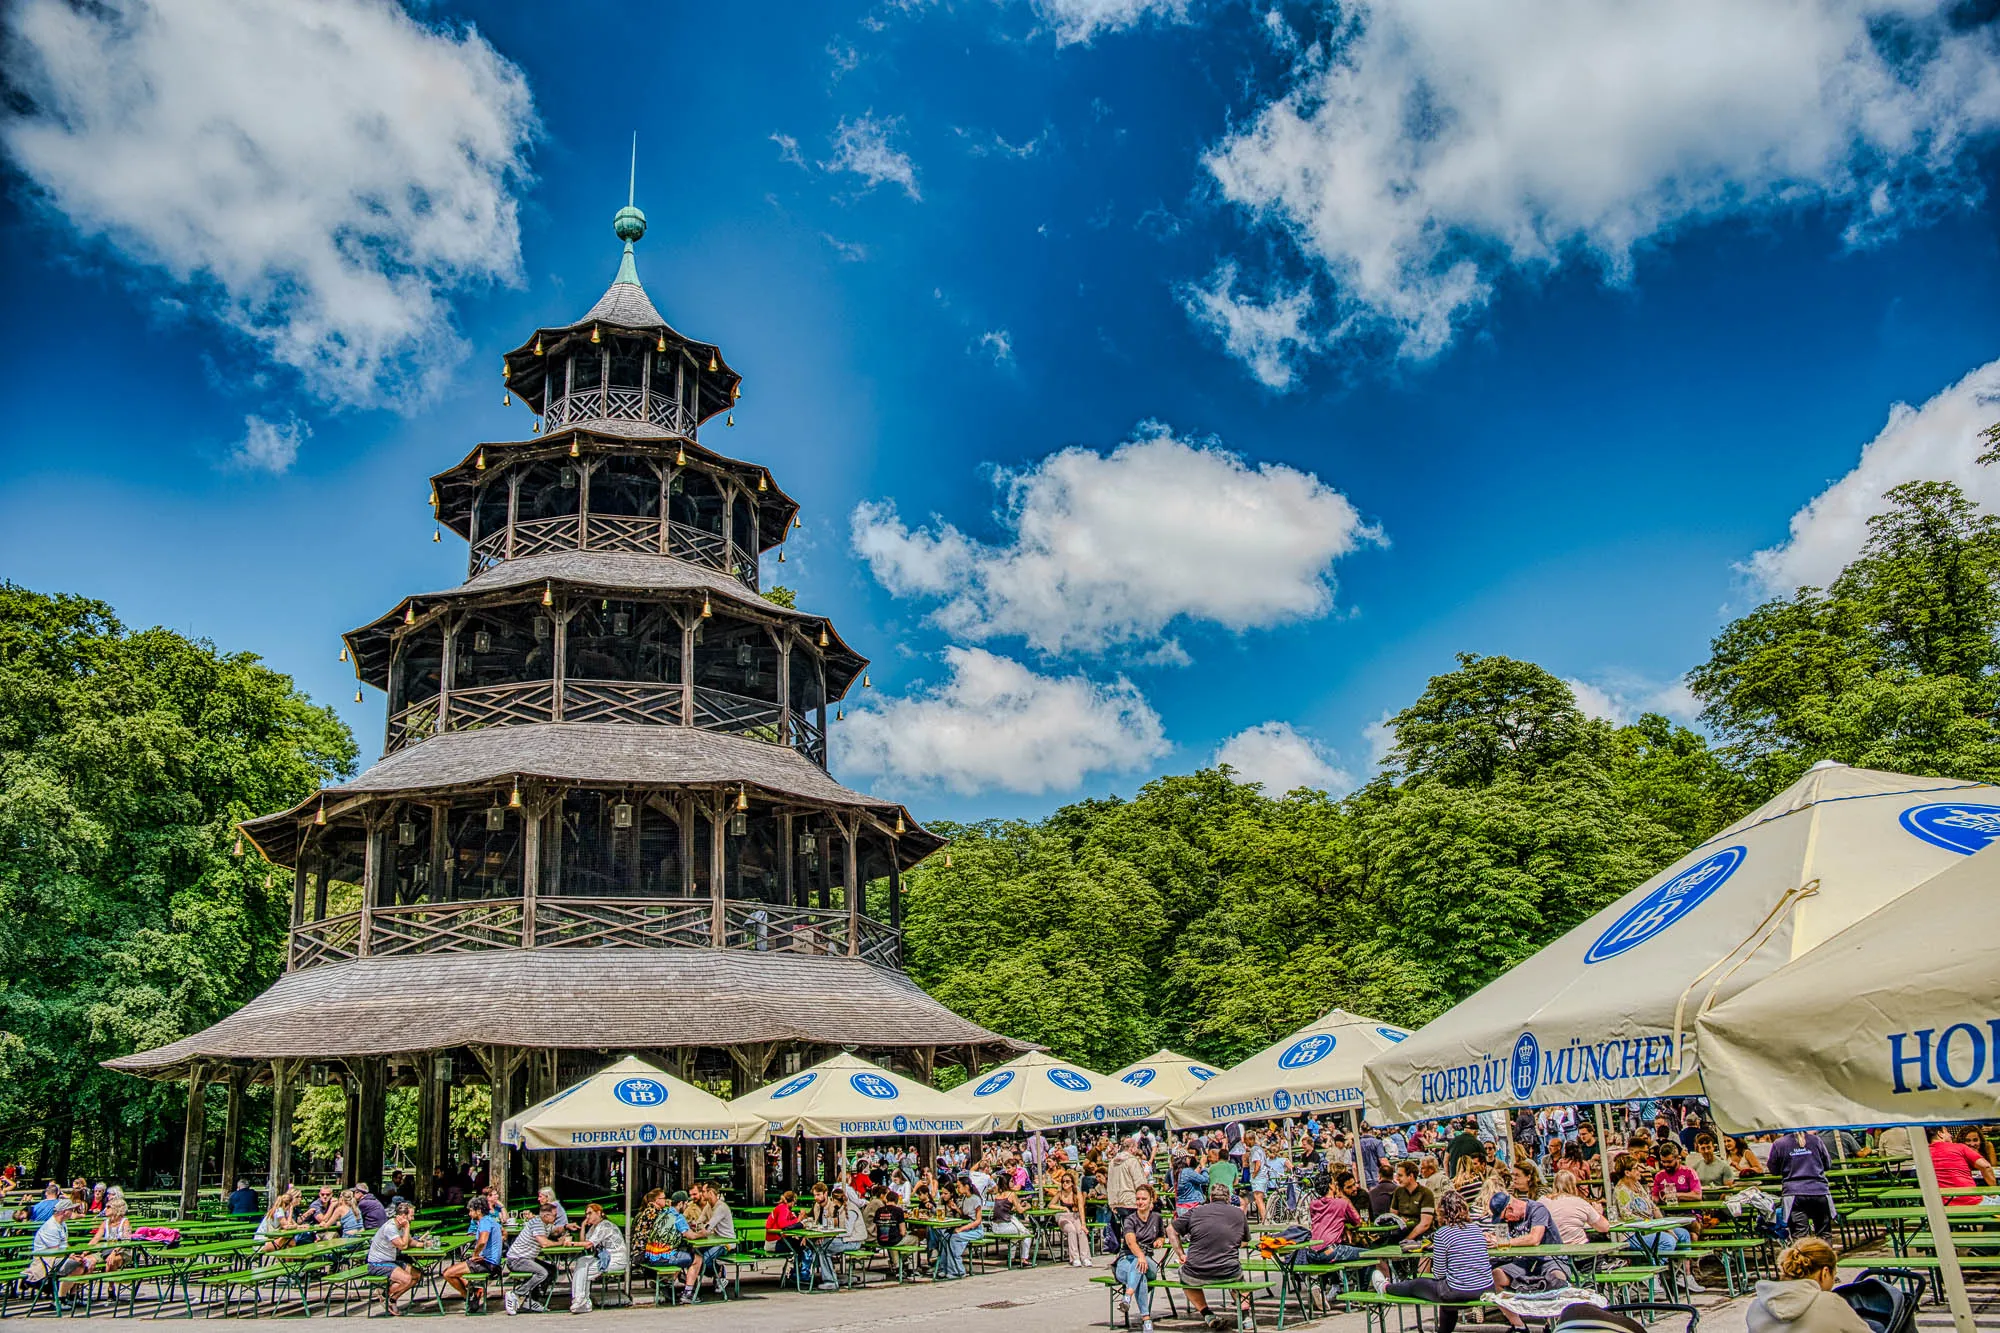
pixel 599 754
pixel 638 998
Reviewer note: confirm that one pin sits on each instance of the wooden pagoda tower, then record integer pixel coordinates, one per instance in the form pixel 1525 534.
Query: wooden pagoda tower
pixel 603 821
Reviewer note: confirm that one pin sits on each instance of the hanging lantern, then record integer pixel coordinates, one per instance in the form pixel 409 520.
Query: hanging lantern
pixel 514 798
pixel 319 816
pixel 621 815
pixel 742 798
pixel 705 611
pixel 621 622
pixel 661 345
pixel 594 335
pixel 239 845
pixel 406 833
pixel 506 399
pixel 739 826
pixel 712 364
pixel 496 819
pixel 444 1068
pixel 900 828
pixel 482 641
pixel 807 844
pixel 538 344
pixel 480 462
pixel 548 594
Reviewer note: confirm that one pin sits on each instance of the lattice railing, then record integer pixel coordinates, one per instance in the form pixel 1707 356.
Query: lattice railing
pixel 719 710
pixel 770 928
pixel 598 404
pixel 746 573
pixel 623 532
pixel 621 701
pixel 487 552
pixel 697 544
pixel 808 737
pixel 501 705
pixel 413 723
pixel 647 923
pixel 532 536
pixel 446 927
pixel 327 941
pixel 880 943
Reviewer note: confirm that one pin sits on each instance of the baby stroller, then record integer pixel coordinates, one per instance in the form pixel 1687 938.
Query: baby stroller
pixel 1885 1298
pixel 1584 1317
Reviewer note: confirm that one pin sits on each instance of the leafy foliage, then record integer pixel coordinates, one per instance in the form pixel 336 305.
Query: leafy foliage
pixel 125 758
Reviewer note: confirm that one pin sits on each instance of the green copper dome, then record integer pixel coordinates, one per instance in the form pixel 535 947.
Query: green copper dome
pixel 629 224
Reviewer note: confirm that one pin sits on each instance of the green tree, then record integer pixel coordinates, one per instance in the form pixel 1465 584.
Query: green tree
pixel 125 759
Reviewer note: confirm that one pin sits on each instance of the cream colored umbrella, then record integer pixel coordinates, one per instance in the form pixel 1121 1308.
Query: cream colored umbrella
pixel 1315 1070
pixel 1894 1021
pixel 1165 1071
pixel 846 1097
pixel 1038 1091
pixel 1606 1013
pixel 628 1104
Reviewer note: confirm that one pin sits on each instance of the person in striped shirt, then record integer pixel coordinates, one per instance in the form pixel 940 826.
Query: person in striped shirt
pixel 1461 1266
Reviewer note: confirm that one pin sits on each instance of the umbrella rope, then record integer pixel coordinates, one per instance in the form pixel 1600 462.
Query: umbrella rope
pixel 1755 941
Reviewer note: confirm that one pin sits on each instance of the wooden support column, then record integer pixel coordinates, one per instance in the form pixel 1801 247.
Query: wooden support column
pixel 448 627
pixel 370 1105
pixel 895 899
pixel 665 475
pixel 542 1086
pixel 785 688
pixel 499 1062
pixel 851 869
pixel 232 1128
pixel 374 868
pixel 561 671
pixel 787 859
pixel 531 869
pixel 750 1065
pixel 686 820
pixel 427 1124
pixel 513 505
pixel 350 1145
pixel 319 887
pixel 687 669
pixel 718 842
pixel 284 1095
pixel 583 470
pixel 440 851
pixel 193 1131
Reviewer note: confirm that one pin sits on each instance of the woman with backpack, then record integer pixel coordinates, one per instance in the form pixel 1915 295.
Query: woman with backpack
pixel 1802 1300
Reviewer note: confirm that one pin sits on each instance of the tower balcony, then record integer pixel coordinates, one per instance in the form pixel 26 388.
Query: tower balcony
pixel 604 403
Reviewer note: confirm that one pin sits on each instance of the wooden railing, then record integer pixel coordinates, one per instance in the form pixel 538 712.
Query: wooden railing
pixel 600 404
pixel 808 737
pixel 501 705
pixel 634 533
pixel 737 714
pixel 533 536
pixel 561 922
pixel 631 703
pixel 621 701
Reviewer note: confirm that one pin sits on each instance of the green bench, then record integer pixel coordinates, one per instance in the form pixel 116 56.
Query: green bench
pixel 1375 1306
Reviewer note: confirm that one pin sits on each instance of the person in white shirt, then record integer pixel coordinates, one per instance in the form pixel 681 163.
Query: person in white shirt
pixel 607 1254
pixel 853 1225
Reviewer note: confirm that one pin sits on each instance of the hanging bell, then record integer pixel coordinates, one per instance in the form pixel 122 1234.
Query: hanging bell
pixel 661 345
pixel 574 451
pixel 434 497
pixel 705 612
pixel 822 635
pixel 680 456
pixel 267 883
pixel 319 816
pixel 781 557
pixel 239 846
pixel 840 715
pixel 594 335
pixel 514 801
pixel 712 363
pixel 506 398
pixel 548 594
pixel 480 462
pixel 900 827
pixel 535 429
pixel 763 481
pixel 731 421
pixel 343 652
pixel 947 860
pixel 736 392
pixel 795 521
pixel 357 696
pixel 864 682
pixel 436 536
pixel 410 614
pixel 742 799
pixel 538 344
pixel 506 371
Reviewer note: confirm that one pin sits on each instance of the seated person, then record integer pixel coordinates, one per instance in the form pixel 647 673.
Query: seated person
pixel 482 1257
pixel 1527 1223
pixel 385 1255
pixel 1209 1242
pixel 1330 1215
pixel 1461 1267
pixel 1412 1207
pixel 1802 1300
pixel 718 1224
pixel 1675 1182
pixel 1578 1220
pixel 1711 1169
pixel 605 1255
pixel 524 1256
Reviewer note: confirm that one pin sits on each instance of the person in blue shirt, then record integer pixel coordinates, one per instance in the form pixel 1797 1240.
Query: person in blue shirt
pixel 51 1197
pixel 483 1257
pixel 243 1199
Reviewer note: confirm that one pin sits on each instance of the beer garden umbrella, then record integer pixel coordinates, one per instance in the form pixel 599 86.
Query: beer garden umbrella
pixel 1037 1091
pixel 1893 1021
pixel 848 1097
pixel 1316 1069
pixel 1165 1071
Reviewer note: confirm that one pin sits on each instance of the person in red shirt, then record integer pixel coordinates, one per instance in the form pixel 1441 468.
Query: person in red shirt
pixel 1674 1174
pixel 1956 1162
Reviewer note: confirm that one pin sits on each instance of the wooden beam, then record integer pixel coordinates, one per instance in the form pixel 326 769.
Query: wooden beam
pixel 284 1095
pixel 852 871
pixel 232 1127
pixel 193 1130
pixel 718 832
pixel 531 869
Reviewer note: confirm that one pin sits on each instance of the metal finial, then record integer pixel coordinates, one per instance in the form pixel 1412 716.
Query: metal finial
pixel 632 182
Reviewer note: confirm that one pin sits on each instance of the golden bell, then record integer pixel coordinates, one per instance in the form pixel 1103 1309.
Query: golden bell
pixel 795 521
pixel 573 450
pixel 436 536
pixel 661 345
pixel 239 845
pixel 506 371
pixel 712 363
pixel 535 429
pixel 267 881
pixel 900 829
pixel 434 497
pixel 480 462
pixel 514 801
pixel 538 344
pixel 704 607
pixel 763 481
pixel 506 399
pixel 593 334
pixel 319 816
pixel 736 392
pixel 822 636
pixel 548 594
pixel 343 652
pixel 410 614
pixel 840 715
pixel 947 860
pixel 731 421
pixel 357 696
pixel 781 557
pixel 864 682
pixel 680 456
pixel 742 799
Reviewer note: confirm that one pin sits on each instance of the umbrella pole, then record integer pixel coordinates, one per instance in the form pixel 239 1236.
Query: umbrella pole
pixel 1603 1153
pixel 628 1226
pixel 1940 1225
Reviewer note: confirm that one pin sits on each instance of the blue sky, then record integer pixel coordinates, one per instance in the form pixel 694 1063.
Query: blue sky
pixel 1186 371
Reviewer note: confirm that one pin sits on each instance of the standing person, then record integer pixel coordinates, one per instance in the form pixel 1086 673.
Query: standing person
pixel 385 1256
pixel 1128 1172
pixel 1140 1238
pixel 607 1254
pixel 1799 1161
pixel 1464 1144
pixel 1071 1222
pixel 1461 1267
pixel 524 1256
pixel 1368 1154
pixel 1259 1160
pixel 1210 1241
pixel 1956 1161
pixel 484 1228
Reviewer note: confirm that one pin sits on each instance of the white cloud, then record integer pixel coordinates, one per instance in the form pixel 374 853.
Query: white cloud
pixel 1938 441
pixel 788 150
pixel 324 176
pixel 1268 335
pixel 1283 759
pixel 995 724
pixel 1080 20
pixel 1381 738
pixel 1441 142
pixel 998 344
pixel 1111 550
pixel 862 146
pixel 269 446
pixel 1620 699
